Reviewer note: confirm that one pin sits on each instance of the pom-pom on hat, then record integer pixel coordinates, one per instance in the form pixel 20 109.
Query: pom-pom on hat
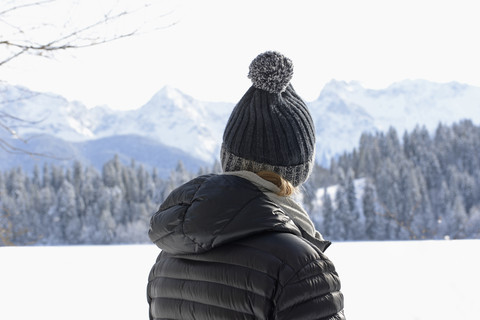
pixel 271 72
pixel 270 128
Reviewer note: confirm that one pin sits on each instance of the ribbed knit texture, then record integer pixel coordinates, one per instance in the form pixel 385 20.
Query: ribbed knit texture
pixel 270 131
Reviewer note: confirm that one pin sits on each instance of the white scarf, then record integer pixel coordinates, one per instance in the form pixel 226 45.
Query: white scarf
pixel 289 206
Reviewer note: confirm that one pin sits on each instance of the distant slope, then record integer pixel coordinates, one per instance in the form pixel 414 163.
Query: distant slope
pixel 171 118
pixel 150 153
pixel 344 110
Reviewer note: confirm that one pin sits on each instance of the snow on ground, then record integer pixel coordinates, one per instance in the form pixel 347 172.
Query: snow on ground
pixel 415 280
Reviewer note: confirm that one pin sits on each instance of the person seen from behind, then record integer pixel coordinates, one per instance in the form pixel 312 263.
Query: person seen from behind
pixel 236 245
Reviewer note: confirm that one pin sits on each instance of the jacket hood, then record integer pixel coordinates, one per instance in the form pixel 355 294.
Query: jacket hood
pixel 213 210
pixel 294 210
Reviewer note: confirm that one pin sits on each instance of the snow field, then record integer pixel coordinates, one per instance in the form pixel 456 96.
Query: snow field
pixel 75 282
pixel 415 280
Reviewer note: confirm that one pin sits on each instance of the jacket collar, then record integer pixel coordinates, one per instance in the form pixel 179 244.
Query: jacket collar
pixel 213 210
pixel 288 204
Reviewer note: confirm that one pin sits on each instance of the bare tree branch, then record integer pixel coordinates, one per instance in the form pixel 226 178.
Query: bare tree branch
pixel 78 37
pixel 7 147
pixel 43 37
pixel 25 5
pixel 12 57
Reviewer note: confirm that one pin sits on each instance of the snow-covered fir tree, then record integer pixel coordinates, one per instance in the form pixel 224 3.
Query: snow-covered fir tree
pixel 426 186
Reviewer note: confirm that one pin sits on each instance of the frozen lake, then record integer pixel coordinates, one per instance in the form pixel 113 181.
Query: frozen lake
pixel 415 280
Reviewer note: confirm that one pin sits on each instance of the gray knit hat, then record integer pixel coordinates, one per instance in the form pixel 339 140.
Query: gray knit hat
pixel 270 128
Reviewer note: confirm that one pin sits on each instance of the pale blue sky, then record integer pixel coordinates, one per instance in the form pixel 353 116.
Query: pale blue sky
pixel 207 53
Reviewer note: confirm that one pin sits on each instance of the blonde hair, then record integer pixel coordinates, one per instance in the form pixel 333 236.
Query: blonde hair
pixel 286 188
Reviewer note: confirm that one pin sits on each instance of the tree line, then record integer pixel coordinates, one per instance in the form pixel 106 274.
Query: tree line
pixel 424 186
pixel 80 205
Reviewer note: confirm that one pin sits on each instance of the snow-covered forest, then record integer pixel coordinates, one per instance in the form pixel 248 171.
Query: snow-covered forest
pixel 419 186
pixel 80 205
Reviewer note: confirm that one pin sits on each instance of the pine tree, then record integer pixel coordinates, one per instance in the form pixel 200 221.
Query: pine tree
pixel 47 178
pixel 350 190
pixel 408 200
pixel 457 219
pixel 67 212
pixel 372 231
pixel 355 223
pixel 342 223
pixel 369 155
pixel 36 176
pixel 111 173
pixel 386 186
pixel 327 228
pixel 443 142
pixel 472 226
pixel 58 176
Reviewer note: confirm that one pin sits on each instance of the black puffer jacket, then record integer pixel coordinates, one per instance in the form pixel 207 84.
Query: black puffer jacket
pixel 228 252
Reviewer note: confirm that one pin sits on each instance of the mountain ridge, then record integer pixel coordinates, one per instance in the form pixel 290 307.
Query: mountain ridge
pixel 342 111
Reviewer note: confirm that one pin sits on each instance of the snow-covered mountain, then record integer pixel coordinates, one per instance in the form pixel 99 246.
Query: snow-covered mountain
pixel 170 117
pixel 175 120
pixel 46 113
pixel 410 102
pixel 344 110
pixel 65 131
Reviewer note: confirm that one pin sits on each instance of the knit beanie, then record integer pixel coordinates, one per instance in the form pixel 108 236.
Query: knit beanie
pixel 270 128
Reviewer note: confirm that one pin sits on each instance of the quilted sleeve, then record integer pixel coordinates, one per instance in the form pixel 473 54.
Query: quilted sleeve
pixel 312 293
